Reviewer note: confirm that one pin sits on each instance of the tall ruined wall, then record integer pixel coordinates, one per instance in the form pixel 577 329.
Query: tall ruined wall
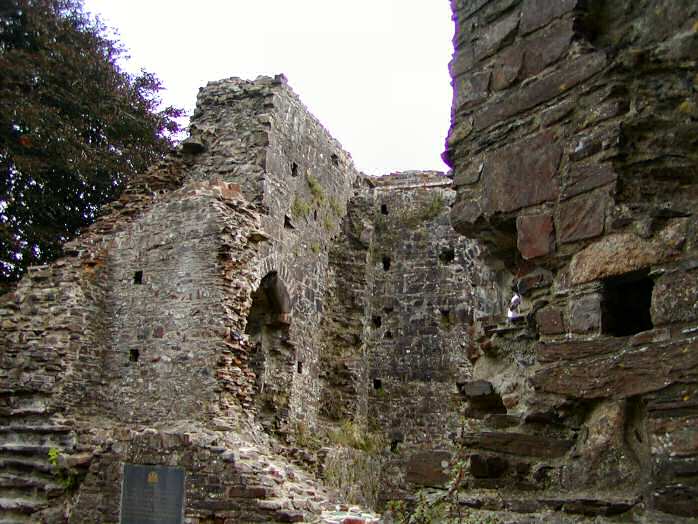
pixel 138 347
pixel 574 150
pixel 427 286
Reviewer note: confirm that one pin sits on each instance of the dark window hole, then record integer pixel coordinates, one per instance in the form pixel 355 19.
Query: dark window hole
pixel 287 222
pixel 447 255
pixel 133 355
pixel 294 169
pixel 626 304
pixel 389 334
pixel 386 263
pixel 335 160
pixel 377 322
pixel 299 367
pixel 384 209
pixel 315 215
pixel 138 277
pixel 377 384
pixel 388 309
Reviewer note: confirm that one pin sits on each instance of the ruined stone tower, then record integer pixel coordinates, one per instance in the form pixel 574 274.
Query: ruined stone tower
pixel 256 332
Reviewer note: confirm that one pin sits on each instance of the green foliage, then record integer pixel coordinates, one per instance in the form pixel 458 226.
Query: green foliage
pixel 300 208
pixel 66 478
pixel 336 207
pixel 355 475
pixel 315 188
pixel 352 435
pixel 315 248
pixel 73 127
pixel 328 224
pixel 440 506
pixel 304 437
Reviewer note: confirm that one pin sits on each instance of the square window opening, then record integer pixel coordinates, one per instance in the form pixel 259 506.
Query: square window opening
pixel 133 355
pixel 138 277
pixel 626 304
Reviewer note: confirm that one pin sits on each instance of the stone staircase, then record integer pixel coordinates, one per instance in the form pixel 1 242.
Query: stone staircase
pixel 27 434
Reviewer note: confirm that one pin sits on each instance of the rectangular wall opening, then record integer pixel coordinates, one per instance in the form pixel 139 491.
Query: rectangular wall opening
pixel 138 277
pixel 626 304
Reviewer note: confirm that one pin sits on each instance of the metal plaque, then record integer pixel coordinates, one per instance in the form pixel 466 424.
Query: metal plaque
pixel 152 495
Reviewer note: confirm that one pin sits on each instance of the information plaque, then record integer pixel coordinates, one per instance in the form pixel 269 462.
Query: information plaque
pixel 152 495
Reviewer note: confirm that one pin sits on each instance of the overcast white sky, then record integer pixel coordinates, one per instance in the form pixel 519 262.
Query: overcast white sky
pixel 374 72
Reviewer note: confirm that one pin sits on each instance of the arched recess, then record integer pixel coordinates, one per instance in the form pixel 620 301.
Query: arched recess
pixel 271 353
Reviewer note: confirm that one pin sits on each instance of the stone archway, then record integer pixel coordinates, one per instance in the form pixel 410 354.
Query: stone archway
pixel 271 353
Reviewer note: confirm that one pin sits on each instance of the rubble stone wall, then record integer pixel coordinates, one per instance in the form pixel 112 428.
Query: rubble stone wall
pixel 573 144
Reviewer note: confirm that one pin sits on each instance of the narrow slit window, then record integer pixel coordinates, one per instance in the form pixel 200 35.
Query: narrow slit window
pixel 294 169
pixel 299 367
pixel 133 355
pixel 138 277
pixel 386 263
pixel 335 160
pixel 384 209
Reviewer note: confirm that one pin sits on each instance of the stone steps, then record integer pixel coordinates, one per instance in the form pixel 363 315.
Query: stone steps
pixel 27 435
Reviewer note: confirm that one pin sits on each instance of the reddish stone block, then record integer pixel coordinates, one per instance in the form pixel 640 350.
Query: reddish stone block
pixel 535 235
pixel 582 217
pixel 550 321
pixel 523 174
pixel 428 468
pixel 584 178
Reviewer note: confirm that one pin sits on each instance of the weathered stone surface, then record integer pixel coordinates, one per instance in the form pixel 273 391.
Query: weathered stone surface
pixel 483 466
pixel 584 178
pixel 541 90
pixel 554 352
pixel 621 253
pixel 522 174
pixel 537 13
pixel 499 34
pixel 428 468
pixel 547 47
pixel 621 374
pixel 535 235
pixel 582 217
pixel 471 90
pixel 507 68
pixel 550 321
pixel 517 444
pixel 675 298
pixel 585 314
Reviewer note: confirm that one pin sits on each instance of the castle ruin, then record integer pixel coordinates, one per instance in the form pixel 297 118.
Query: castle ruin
pixel 257 332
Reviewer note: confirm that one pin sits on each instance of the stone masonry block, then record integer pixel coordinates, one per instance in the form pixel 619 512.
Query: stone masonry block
pixel 585 314
pixel 535 235
pixel 582 217
pixel 523 174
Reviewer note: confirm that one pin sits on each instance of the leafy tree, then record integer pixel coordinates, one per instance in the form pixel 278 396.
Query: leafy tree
pixel 73 127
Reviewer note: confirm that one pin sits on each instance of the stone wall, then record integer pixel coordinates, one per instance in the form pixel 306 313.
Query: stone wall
pixel 573 144
pixel 427 288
